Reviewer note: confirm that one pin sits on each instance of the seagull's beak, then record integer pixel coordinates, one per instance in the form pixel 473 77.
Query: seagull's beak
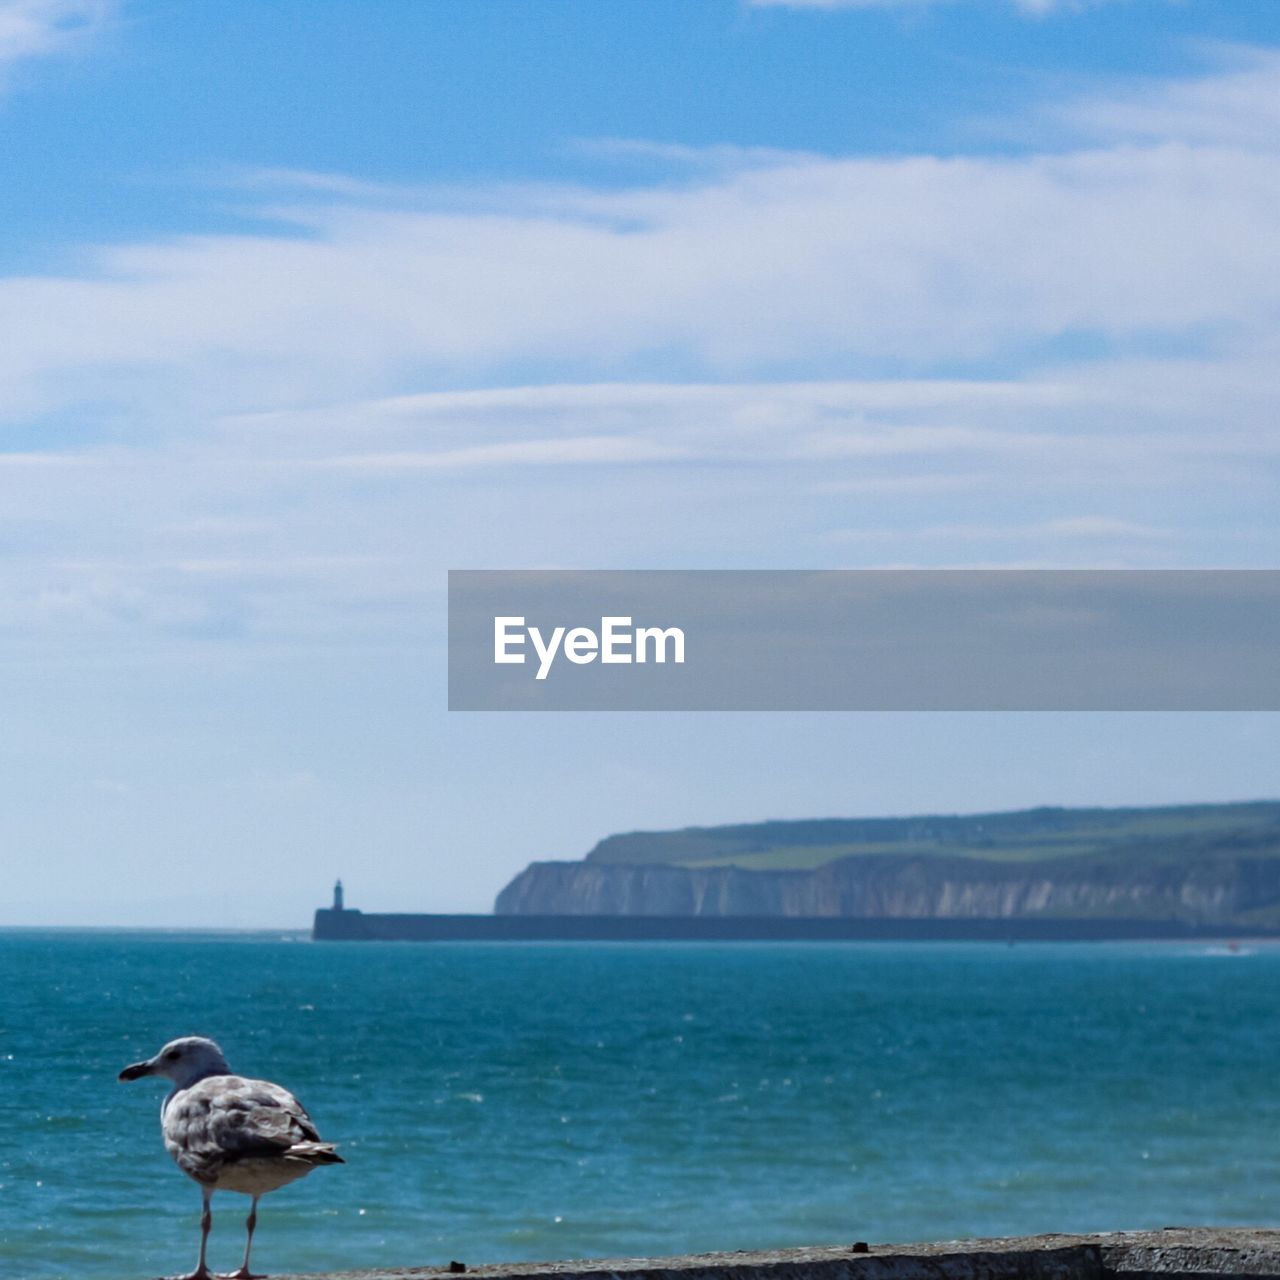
pixel 137 1071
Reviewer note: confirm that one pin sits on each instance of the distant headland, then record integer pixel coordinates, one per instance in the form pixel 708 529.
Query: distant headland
pixel 1210 870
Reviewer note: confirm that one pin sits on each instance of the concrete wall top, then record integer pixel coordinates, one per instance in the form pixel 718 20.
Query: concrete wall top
pixel 1193 1253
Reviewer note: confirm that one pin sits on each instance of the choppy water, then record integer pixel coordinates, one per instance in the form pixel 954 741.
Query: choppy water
pixel 533 1101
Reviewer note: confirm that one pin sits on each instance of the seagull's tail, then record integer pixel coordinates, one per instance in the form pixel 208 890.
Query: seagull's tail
pixel 314 1153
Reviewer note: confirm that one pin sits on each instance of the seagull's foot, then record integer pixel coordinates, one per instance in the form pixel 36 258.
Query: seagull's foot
pixel 242 1274
pixel 200 1273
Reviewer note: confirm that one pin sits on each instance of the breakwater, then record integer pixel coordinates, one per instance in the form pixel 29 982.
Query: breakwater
pixel 1191 1253
pixel 352 925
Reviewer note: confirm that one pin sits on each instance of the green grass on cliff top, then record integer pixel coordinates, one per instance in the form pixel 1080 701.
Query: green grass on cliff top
pixel 1024 836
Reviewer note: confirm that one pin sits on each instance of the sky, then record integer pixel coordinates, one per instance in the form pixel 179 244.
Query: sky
pixel 304 304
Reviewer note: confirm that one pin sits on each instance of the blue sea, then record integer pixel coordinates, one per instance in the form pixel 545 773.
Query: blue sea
pixel 506 1101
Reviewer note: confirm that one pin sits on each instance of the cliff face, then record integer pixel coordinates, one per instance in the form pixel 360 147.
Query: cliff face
pixel 1207 890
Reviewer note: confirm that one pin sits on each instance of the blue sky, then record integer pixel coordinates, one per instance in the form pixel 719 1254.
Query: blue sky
pixel 303 304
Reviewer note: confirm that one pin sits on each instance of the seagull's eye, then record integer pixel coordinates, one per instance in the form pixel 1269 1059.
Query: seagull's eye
pixel 171 1056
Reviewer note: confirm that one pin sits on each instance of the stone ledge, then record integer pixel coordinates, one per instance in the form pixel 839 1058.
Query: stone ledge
pixel 1233 1253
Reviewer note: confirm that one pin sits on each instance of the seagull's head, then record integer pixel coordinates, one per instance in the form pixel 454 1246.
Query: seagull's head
pixel 183 1061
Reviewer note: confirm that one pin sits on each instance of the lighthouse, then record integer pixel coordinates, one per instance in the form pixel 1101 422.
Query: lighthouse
pixel 337 895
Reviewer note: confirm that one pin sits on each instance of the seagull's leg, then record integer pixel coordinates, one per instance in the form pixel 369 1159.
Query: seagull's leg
pixel 206 1221
pixel 250 1222
pixel 202 1271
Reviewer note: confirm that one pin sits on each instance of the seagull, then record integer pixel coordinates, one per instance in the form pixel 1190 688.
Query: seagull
pixel 230 1133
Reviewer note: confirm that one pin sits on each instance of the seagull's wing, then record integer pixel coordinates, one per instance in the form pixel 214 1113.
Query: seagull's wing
pixel 223 1119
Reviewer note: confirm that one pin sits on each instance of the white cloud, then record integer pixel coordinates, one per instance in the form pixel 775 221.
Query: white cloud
pixel 805 264
pixel 679 155
pixel 37 28
pixel 576 450
pixel 1036 8
pixel 1238 105
pixel 1161 231
pixel 1058 533
pixel 1101 527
